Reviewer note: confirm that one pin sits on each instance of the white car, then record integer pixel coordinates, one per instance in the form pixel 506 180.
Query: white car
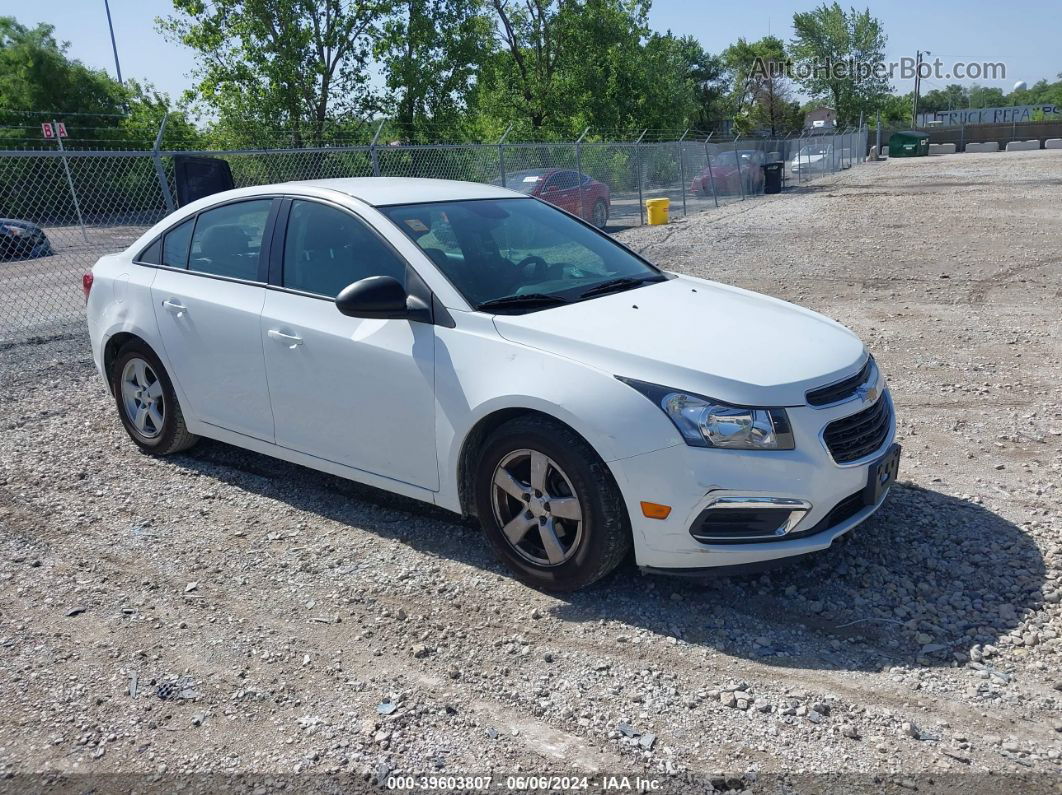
pixel 813 158
pixel 478 349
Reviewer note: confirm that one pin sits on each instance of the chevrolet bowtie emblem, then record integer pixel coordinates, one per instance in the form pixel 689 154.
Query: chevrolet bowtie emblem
pixel 868 394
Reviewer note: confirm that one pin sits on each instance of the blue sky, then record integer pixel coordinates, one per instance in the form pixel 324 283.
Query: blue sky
pixel 1021 33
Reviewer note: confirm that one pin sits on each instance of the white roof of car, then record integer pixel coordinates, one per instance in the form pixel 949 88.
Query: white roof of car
pixel 382 191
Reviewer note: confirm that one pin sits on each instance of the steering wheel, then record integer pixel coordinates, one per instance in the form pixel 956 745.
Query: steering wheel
pixel 539 267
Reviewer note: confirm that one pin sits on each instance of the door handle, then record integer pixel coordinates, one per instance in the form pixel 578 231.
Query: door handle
pixel 291 340
pixel 174 306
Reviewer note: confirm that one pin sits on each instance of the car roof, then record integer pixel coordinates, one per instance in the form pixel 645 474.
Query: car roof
pixel 384 191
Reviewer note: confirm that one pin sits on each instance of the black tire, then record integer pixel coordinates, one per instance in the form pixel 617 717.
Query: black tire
pixel 173 436
pixel 599 214
pixel 605 537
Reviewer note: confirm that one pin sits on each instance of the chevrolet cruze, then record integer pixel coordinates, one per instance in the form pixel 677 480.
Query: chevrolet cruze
pixel 479 349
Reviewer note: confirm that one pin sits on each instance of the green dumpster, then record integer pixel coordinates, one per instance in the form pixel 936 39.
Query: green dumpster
pixel 909 143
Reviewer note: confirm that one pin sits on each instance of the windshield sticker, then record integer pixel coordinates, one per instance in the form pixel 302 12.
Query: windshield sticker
pixel 416 225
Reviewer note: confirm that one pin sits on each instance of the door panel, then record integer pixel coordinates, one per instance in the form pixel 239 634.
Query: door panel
pixel 566 193
pixel 210 329
pixel 355 391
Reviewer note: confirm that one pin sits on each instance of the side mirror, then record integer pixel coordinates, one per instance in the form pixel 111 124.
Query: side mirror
pixel 381 297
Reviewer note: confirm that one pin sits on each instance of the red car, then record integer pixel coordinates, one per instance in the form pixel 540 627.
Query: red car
pixel 577 193
pixel 734 173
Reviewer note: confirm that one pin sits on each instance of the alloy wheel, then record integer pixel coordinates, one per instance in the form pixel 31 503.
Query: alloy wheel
pixel 536 508
pixel 142 398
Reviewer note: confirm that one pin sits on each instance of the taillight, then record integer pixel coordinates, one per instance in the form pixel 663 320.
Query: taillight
pixel 86 285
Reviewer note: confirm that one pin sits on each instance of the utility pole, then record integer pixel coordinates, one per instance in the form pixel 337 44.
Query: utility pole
pixel 917 86
pixel 114 44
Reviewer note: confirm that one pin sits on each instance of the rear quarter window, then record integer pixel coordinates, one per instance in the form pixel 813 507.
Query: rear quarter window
pixel 176 243
pixel 152 255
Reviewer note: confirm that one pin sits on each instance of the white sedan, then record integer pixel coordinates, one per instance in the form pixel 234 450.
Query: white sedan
pixel 814 158
pixel 478 349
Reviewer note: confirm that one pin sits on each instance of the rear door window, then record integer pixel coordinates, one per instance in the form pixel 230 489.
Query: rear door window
pixel 228 239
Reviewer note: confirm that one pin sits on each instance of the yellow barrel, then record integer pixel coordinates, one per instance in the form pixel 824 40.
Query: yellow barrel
pixel 657 210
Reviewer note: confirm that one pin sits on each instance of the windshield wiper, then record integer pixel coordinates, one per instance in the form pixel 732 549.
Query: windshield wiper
pixel 615 285
pixel 522 300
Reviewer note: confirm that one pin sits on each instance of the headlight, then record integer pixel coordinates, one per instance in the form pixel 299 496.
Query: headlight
pixel 704 422
pixel 15 231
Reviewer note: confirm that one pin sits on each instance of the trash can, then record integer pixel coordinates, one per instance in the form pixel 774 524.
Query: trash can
pixel 772 177
pixel 657 210
pixel 909 143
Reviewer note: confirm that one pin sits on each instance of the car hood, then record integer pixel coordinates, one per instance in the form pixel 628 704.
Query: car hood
pixel 723 342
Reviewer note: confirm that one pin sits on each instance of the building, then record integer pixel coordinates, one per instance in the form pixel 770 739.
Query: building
pixel 822 117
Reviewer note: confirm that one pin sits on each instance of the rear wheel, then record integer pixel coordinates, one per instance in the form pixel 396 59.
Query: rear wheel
pixel 599 215
pixel 549 506
pixel 147 404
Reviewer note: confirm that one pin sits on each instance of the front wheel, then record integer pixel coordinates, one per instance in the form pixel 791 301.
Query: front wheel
pixel 549 506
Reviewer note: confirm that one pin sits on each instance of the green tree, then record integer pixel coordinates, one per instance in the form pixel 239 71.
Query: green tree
pixel 431 52
pixel 895 110
pixel 549 50
pixel 291 64
pixel 951 97
pixel 561 66
pixel 707 73
pixel 761 96
pixel 37 75
pixel 39 81
pixel 827 40
pixel 985 97
pixel 144 108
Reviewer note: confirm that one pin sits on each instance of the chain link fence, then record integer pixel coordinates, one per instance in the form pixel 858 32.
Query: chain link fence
pixel 61 210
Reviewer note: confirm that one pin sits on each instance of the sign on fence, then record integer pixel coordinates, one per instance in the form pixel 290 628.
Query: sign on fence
pixel 49 130
pixel 1017 114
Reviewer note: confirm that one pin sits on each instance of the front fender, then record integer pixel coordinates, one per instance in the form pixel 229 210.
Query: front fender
pixel 478 373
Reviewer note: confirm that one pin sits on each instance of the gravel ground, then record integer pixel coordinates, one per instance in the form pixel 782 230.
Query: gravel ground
pixel 221 612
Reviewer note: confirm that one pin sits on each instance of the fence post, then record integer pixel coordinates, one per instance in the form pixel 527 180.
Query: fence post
pixel 682 169
pixel 501 155
pixel 962 137
pixel 579 171
pixel 160 172
pixel 737 162
pixel 638 163
pixel 69 179
pixel 711 176
pixel 372 151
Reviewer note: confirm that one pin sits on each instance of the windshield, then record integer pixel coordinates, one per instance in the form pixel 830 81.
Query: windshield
pixel 492 249
pixel 729 157
pixel 523 181
pixel 811 151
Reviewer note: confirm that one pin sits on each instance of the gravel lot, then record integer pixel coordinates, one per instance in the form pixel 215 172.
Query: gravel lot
pixel 221 612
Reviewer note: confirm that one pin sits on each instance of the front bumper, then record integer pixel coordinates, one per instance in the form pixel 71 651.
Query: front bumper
pixel 691 479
